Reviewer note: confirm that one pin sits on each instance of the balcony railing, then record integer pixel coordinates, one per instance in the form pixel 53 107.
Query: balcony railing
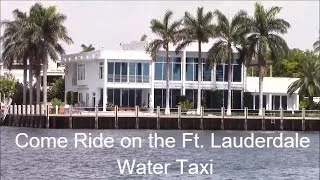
pixel 129 79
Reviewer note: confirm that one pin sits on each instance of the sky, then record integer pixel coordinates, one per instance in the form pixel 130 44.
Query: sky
pixel 106 24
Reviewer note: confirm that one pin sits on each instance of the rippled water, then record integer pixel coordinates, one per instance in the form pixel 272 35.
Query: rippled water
pixel 81 163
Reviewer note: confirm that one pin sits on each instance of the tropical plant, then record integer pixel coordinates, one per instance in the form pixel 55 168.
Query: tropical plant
pixel 56 102
pixel 47 30
pixel 196 29
pixel 7 85
pixel 87 48
pixel 16 47
pixel 265 29
pixel 167 32
pixel 228 34
pixel 57 89
pixel 308 82
pixel 290 64
pixel 185 105
pixel 143 37
pixel 316 46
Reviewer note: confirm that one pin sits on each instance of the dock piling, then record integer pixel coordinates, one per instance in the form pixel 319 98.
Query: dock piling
pixel 245 118
pixel 47 117
pixel 303 123
pixel 263 119
pixel 158 117
pixel 116 124
pixel 19 113
pixel 201 120
pixel 137 117
pixel 96 119
pixel 179 117
pixel 222 118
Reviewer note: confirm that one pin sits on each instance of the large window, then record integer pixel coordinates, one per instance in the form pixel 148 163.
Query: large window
pixel 219 98
pixel 192 70
pixel 101 70
pixel 161 69
pixel 192 95
pixel 128 72
pixel 160 97
pixel 222 73
pixel 125 97
pixel 81 72
pixel 257 101
pixel 279 101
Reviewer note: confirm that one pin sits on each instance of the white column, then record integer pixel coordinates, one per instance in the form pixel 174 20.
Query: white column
pixel 297 102
pixel 244 76
pixel 214 74
pixel 151 91
pixel 105 75
pixel 183 71
pixel 269 105
pixel 254 101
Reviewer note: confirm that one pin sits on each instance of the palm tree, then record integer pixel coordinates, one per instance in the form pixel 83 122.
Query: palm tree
pixel 16 46
pixel 87 48
pixel 265 29
pixel 196 29
pixel 47 30
pixel 143 37
pixel 308 82
pixel 228 34
pixel 316 46
pixel 168 33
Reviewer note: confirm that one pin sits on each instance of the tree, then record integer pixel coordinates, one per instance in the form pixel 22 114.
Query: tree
pixel 87 48
pixel 228 34
pixel 309 80
pixel 57 90
pixel 265 29
pixel 196 29
pixel 168 33
pixel 7 85
pixel 16 47
pixel 290 64
pixel 316 46
pixel 143 37
pixel 47 31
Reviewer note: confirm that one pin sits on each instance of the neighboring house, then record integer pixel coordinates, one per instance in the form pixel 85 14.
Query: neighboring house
pixel 55 70
pixel 129 77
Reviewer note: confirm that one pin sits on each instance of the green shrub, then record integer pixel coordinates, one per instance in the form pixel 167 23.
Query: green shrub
pixel 303 104
pixel 56 102
pixel 185 105
pixel 72 98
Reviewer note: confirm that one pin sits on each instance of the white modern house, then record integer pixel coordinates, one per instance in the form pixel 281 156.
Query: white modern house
pixel 129 77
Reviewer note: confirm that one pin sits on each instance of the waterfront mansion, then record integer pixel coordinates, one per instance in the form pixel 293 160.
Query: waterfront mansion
pixel 129 77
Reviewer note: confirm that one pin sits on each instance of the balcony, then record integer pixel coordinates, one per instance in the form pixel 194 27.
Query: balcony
pixel 129 79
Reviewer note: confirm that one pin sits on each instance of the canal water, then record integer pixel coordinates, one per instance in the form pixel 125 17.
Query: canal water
pixel 94 163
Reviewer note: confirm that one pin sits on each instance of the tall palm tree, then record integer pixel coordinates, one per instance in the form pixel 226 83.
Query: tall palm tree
pixel 197 29
pixel 308 82
pixel 87 48
pixel 228 34
pixel 143 37
pixel 316 46
pixel 168 33
pixel 16 46
pixel 47 31
pixel 265 30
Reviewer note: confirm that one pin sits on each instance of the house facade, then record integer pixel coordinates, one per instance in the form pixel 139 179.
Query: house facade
pixel 129 77
pixel 55 71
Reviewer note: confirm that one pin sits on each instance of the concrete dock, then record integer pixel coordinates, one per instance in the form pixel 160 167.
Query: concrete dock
pixel 37 117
